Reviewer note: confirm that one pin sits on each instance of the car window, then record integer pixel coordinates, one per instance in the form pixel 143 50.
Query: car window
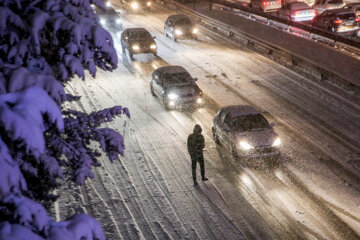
pixel 250 122
pixel 347 16
pixel 222 116
pixel 177 78
pixel 335 2
pixel 299 6
pixel 183 21
pixel 228 121
pixel 139 34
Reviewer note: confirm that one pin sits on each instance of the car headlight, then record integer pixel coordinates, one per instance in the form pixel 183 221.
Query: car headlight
pixel 118 21
pixel 148 4
pixel 276 142
pixel 199 100
pixel 134 5
pixel 136 47
pixel 92 6
pixel 108 4
pixel 102 21
pixel 153 46
pixel 172 96
pixel 245 146
pixel 195 30
pixel 178 32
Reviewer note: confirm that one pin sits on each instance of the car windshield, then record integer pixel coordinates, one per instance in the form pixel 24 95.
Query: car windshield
pixel 139 34
pixel 347 16
pixel 335 1
pixel 176 78
pixel 183 21
pixel 250 123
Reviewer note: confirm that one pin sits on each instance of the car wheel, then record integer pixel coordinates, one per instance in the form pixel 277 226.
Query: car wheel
pixel 152 90
pixel 175 40
pixel 234 152
pixel 155 54
pixel 215 136
pixel 165 32
pixel 131 56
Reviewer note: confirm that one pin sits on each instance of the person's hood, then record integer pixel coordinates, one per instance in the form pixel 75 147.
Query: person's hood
pixel 197 129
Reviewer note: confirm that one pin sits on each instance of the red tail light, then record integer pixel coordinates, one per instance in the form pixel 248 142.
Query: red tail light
pixel 265 3
pixel 338 21
pixel 357 19
pixel 328 7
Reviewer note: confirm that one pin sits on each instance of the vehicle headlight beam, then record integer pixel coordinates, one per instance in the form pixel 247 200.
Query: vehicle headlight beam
pixel 277 142
pixel 172 96
pixel 245 145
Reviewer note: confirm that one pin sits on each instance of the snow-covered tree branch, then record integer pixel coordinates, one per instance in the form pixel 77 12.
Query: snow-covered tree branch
pixel 43 44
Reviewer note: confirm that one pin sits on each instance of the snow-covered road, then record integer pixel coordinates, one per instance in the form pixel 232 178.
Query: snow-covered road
pixel 313 193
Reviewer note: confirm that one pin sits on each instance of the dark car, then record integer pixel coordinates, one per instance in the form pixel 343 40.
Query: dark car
pixel 109 18
pixel 245 132
pixel 136 41
pixel 266 5
pixel 175 87
pixel 296 11
pixel 339 21
pixel 137 5
pixel 179 26
pixel 322 5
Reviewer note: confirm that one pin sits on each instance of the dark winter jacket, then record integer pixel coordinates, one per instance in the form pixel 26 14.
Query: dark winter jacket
pixel 196 142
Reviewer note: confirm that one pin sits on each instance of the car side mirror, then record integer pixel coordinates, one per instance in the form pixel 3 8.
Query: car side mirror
pixel 195 79
pixel 272 125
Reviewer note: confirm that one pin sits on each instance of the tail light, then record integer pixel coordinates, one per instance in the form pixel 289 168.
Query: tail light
pixel 357 19
pixel 312 12
pixel 338 21
pixel 328 7
pixel 265 3
pixel 278 1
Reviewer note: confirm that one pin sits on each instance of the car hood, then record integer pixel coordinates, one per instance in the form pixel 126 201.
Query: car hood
pixel 182 91
pixel 257 138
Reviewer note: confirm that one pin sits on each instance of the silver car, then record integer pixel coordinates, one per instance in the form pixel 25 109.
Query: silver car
pixel 322 5
pixel 175 87
pixel 245 132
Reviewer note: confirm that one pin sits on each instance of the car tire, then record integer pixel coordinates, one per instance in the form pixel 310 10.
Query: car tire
pixel 131 56
pixel 165 32
pixel 175 40
pixel 215 137
pixel 234 152
pixel 152 90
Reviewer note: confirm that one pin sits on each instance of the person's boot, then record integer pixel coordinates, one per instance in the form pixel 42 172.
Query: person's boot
pixel 204 179
pixel 195 183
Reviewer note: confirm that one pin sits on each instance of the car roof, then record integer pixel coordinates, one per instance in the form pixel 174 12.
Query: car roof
pixel 337 11
pixel 356 4
pixel 171 69
pixel 298 5
pixel 239 110
pixel 178 16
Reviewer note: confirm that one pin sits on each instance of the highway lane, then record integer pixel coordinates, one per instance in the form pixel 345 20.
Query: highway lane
pixel 298 198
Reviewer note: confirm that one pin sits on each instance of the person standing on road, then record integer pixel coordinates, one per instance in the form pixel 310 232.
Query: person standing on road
pixel 195 145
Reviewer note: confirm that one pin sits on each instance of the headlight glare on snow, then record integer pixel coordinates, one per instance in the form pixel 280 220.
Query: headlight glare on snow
pixel 108 4
pixel 171 103
pixel 153 46
pixel 277 142
pixel 136 47
pixel 195 31
pixel 172 96
pixel 134 5
pixel 245 146
pixel 178 32
pixel 118 21
pixel 102 21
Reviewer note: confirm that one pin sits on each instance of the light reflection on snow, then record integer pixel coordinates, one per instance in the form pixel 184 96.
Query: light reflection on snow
pixel 154 65
pixel 247 181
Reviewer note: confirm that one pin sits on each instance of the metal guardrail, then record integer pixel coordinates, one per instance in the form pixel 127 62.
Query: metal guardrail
pixel 259 14
pixel 296 63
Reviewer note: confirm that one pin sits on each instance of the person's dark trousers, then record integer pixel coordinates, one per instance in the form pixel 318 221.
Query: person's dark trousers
pixel 197 157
